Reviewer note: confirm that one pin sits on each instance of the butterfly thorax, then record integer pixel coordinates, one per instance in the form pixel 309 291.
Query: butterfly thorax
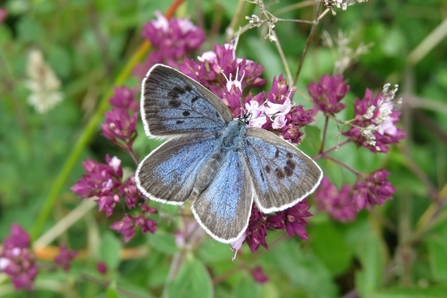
pixel 229 139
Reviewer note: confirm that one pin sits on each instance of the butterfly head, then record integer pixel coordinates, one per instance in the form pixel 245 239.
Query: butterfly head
pixel 245 118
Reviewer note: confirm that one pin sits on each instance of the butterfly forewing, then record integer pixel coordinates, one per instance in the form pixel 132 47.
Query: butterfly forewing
pixel 282 174
pixel 173 104
pixel 168 174
pixel 223 209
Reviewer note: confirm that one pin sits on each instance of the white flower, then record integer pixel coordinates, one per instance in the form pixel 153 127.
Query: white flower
pixel 161 22
pixel 209 57
pixel 186 26
pixel 384 119
pixel 4 262
pixel 256 111
pixel 279 122
pixel 43 83
pixel 115 163
pixel 277 109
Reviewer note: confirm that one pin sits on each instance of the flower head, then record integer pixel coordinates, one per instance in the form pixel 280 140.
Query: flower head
pixel 119 125
pixel 17 259
pixel 103 181
pixel 101 267
pixel 375 121
pixel 256 230
pixel 124 98
pixel 374 190
pixel 220 70
pixel 172 40
pixel 328 92
pixel 127 225
pixel 3 15
pixel 293 219
pixel 338 203
pixel 43 83
pixel 259 275
pixel 65 257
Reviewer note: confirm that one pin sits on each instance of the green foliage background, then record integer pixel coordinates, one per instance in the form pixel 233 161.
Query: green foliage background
pixel 398 250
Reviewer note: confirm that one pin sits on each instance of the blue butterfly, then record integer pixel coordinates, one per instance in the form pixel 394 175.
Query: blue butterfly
pixel 215 160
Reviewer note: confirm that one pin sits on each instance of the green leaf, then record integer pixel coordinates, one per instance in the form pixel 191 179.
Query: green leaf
pixel 437 248
pixel 211 251
pixel 333 171
pixel 245 287
pixel 193 280
pixel 429 292
pixel 313 140
pixel 110 250
pixel 30 30
pixel 304 270
pixel 163 242
pixel 111 291
pixel 337 258
pixel 368 252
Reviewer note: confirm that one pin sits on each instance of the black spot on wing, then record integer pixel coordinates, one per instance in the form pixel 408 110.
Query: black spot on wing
pixel 179 89
pixel 174 103
pixel 288 171
pixel 289 155
pixel 186 113
pixel 279 173
pixel 267 169
pixel 277 153
pixel 291 164
pixel 194 99
pixel 179 121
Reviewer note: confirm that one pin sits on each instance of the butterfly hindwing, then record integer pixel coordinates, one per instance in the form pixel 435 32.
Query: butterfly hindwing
pixel 168 174
pixel 282 174
pixel 174 104
pixel 223 208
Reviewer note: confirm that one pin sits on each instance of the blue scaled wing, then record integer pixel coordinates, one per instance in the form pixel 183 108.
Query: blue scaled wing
pixel 282 174
pixel 168 174
pixel 223 209
pixel 173 104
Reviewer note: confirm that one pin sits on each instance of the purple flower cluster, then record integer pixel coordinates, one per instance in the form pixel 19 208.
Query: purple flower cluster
pixel 274 111
pixel 17 259
pixel 222 72
pixel 344 204
pixel 337 203
pixel 172 40
pixel 3 15
pixel 374 190
pixel 104 181
pixel 259 275
pixel 327 94
pixel 293 220
pixel 374 125
pixel 121 121
pixel 127 226
pixel 65 257
pixel 375 121
pixel 230 78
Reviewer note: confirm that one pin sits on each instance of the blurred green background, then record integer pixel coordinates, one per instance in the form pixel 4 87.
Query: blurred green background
pixel 398 250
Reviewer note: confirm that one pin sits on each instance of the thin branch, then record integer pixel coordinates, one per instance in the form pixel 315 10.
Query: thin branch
pixel 308 41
